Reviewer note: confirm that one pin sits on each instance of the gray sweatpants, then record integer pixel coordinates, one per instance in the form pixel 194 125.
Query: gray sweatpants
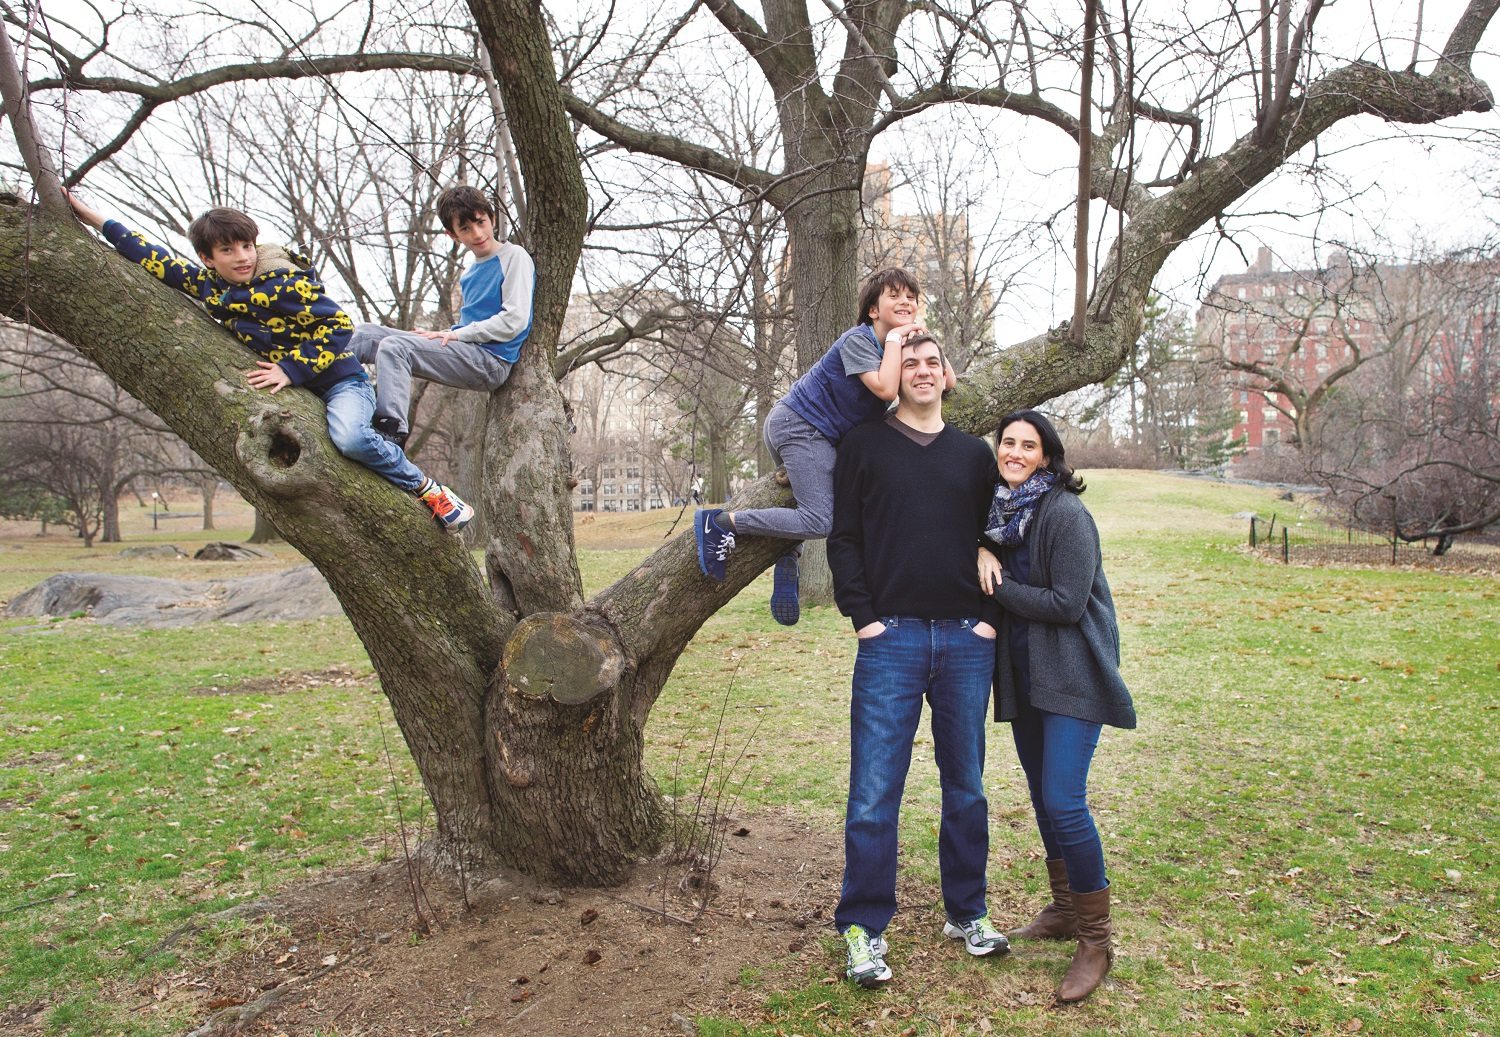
pixel 397 356
pixel 808 458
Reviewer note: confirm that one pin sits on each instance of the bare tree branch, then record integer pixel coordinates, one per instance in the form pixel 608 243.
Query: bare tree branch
pixel 18 110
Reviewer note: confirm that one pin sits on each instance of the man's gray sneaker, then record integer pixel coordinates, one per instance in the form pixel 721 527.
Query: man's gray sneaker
pixel 979 936
pixel 865 967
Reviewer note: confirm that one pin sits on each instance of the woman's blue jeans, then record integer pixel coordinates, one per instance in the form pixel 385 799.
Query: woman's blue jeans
pixel 948 664
pixel 1055 753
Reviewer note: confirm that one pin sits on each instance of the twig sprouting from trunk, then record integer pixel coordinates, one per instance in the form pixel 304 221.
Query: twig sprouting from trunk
pixel 699 842
pixel 18 110
pixel 412 864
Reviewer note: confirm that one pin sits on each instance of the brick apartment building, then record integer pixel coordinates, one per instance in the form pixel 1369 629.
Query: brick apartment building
pixel 1287 337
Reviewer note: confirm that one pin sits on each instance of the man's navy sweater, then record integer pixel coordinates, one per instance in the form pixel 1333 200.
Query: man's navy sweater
pixel 907 520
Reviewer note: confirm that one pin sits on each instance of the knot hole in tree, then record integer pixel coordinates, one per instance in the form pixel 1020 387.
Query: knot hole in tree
pixel 284 449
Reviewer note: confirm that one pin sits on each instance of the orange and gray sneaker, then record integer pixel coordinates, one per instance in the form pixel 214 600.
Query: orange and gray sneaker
pixel 446 506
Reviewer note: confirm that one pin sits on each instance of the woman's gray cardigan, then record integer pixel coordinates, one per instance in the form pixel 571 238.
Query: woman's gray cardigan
pixel 1073 639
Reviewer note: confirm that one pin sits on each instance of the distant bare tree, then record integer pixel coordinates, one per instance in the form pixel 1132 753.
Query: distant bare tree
pixel 714 401
pixel 619 410
pixel 1414 446
pixel 1289 338
pixel 174 461
pixel 703 253
pixel 71 431
pixel 1169 404
pixel 67 431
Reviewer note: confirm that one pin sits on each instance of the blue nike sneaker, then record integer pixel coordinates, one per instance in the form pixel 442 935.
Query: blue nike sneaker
pixel 714 542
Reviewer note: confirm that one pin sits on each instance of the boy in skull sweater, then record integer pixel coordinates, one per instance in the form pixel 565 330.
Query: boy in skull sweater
pixel 273 301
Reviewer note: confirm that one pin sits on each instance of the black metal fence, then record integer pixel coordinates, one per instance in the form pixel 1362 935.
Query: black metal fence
pixel 1312 543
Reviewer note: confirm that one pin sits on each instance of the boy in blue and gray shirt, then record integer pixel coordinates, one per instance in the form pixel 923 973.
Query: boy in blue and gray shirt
pixel 494 321
pixel 272 301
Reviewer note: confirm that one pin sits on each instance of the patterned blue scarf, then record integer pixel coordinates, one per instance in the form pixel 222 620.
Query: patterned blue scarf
pixel 1011 511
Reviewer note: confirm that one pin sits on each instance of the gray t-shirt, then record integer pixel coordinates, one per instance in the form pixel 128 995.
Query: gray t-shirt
pixel 861 353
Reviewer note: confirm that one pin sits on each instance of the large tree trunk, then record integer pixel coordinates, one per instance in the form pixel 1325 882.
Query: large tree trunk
pixel 823 239
pixel 826 137
pixel 566 769
pixel 823 227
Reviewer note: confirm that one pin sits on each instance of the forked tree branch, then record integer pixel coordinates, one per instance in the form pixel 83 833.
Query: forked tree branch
pixel 672 149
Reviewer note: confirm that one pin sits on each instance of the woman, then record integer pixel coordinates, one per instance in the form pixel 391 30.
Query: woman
pixel 1057 679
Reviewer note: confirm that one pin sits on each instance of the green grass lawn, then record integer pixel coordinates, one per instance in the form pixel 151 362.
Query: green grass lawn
pixel 1302 834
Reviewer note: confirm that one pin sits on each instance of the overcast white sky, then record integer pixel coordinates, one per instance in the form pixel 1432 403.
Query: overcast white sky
pixel 1409 188
pixel 1403 188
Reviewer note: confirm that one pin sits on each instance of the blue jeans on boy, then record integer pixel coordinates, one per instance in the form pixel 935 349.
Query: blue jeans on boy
pixel 351 406
pixel 1055 753
pixel 948 664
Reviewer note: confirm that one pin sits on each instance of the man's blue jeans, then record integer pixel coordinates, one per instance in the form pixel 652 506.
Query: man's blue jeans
pixel 1055 753
pixel 948 664
pixel 351 407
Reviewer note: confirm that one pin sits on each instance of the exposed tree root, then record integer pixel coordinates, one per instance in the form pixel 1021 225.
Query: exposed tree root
pixel 236 1017
pixel 251 909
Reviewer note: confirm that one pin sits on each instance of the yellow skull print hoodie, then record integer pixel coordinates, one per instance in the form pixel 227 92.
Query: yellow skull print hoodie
pixel 283 312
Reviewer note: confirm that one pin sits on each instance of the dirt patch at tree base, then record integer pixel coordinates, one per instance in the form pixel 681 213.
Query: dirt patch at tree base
pixel 341 955
pixel 347 958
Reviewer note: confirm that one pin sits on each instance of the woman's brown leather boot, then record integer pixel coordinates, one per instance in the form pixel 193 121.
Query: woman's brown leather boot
pixel 1094 955
pixel 1057 920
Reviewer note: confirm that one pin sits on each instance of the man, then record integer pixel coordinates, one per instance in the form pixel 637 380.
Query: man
pixel 910 499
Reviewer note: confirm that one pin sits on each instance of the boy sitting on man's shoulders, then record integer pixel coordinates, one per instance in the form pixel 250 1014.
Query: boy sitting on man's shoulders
pixel 494 321
pixel 275 304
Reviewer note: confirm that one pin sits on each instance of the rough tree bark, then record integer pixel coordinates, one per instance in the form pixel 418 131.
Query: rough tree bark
pixel 522 703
